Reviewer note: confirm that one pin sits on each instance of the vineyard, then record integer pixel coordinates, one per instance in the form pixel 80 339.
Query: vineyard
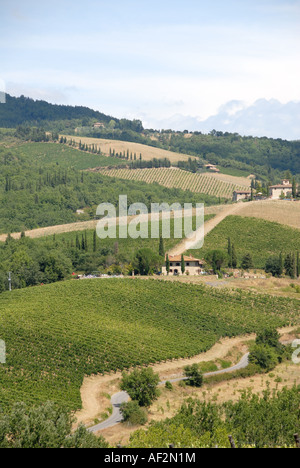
pixel 176 178
pixel 261 238
pixel 57 334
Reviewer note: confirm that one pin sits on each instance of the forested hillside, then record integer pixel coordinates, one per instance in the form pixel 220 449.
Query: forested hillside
pixel 41 185
pixel 266 157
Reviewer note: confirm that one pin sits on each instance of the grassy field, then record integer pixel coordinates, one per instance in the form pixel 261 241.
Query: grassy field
pixel 279 211
pixel 210 184
pixel 148 152
pixel 57 334
pixel 259 237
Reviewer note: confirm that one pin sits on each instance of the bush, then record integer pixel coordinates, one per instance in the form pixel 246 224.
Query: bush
pixel 194 374
pixel 264 356
pixel 141 386
pixel 169 386
pixel 133 414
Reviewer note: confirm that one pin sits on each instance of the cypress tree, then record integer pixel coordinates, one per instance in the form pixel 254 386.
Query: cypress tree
pixel 229 251
pixel 161 247
pixel 168 264
pixel 95 242
pixel 281 264
pixel 233 257
pixel 182 264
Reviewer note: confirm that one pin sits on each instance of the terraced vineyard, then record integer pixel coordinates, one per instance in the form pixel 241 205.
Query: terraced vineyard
pixel 176 178
pixel 57 334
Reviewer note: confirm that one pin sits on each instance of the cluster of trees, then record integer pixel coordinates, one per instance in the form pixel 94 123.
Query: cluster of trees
pixel 266 421
pixel 34 195
pixel 267 351
pixel 36 134
pixel 31 263
pixel 45 426
pixel 219 259
pixel 288 265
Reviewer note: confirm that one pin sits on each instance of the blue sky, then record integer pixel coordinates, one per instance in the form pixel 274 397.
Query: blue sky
pixel 169 63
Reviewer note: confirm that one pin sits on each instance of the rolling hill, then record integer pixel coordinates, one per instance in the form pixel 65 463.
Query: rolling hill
pixel 57 334
pixel 211 184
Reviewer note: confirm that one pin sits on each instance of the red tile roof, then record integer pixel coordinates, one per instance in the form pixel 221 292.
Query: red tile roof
pixel 177 258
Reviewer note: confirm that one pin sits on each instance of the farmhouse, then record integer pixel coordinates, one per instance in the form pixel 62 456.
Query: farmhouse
pixel 212 167
pixel 99 125
pixel 284 189
pixel 241 195
pixel 193 266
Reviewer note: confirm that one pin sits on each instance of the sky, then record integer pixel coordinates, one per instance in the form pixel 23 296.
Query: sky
pixel 231 65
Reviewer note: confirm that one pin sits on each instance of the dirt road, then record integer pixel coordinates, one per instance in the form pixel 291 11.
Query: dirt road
pixel 210 225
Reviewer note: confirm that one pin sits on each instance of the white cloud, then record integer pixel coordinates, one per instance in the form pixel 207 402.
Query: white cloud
pixel 263 118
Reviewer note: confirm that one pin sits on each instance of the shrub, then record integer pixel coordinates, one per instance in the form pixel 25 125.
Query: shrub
pixel 141 385
pixel 169 386
pixel 194 374
pixel 264 356
pixel 133 414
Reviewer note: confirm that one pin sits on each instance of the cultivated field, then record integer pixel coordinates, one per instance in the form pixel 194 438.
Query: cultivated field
pixel 262 239
pixel 57 334
pixel 148 152
pixel 207 183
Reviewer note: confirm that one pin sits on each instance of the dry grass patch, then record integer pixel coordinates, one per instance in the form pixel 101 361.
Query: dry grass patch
pixel 148 152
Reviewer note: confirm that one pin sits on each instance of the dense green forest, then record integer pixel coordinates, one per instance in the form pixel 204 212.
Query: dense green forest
pixel 265 157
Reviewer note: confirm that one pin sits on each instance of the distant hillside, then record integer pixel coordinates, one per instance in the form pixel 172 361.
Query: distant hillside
pixel 20 110
pixel 266 158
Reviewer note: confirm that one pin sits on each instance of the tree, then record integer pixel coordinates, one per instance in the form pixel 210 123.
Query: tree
pixel 182 265
pixel 234 259
pixel 264 357
pixel 229 251
pixel 216 258
pixel 269 337
pixel 146 261
pixel 141 386
pixel 247 262
pixel 45 426
pixel 194 375
pixel 95 242
pixel 161 251
pixel 274 266
pixel 168 264
pixel 294 188
pixel 133 414
pixel 289 265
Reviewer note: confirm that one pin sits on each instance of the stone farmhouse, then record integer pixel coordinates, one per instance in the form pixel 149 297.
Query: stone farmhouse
pixel 276 191
pixel 193 266
pixel 239 195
